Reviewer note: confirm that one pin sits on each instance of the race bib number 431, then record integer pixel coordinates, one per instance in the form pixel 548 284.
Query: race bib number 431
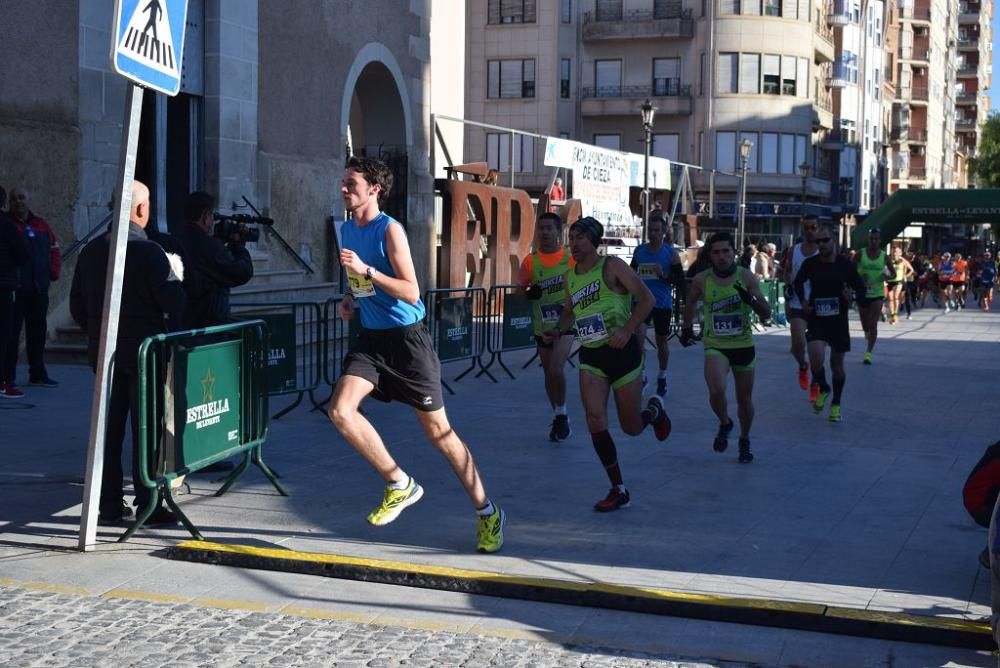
pixel 361 286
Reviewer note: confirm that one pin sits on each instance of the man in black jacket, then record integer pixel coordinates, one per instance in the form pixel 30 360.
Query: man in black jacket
pixel 13 253
pixel 151 293
pixel 212 267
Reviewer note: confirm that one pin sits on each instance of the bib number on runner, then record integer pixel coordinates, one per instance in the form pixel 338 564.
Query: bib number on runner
pixel 591 329
pixel 827 306
pixel 551 312
pixel 727 324
pixel 361 286
pixel 647 270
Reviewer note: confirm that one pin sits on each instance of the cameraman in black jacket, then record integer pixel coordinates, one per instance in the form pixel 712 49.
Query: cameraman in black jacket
pixel 211 266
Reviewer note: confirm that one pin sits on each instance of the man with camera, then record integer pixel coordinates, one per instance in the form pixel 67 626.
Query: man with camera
pixel 215 260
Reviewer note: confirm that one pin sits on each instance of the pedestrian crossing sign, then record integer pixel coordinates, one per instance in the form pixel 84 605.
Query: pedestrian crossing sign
pixel 148 42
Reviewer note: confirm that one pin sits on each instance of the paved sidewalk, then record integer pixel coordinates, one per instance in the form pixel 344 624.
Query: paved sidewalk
pixel 866 513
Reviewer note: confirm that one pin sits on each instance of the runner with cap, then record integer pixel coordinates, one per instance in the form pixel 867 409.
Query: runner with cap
pixel 599 294
pixel 793 259
pixel 874 268
pixel 729 293
pixel 542 280
pixel 831 278
pixel 659 266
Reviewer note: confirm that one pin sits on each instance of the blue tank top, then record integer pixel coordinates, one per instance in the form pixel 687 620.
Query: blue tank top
pixel 644 260
pixel 379 310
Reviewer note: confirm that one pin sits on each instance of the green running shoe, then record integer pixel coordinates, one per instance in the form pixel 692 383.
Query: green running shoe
pixel 490 530
pixel 868 358
pixel 835 413
pixel 394 502
pixel 820 402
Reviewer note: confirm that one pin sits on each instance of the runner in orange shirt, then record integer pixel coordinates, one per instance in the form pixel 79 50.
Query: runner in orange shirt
pixel 959 279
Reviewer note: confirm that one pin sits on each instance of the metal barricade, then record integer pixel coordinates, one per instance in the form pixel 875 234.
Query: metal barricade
pixel 202 398
pixel 510 325
pixel 338 337
pixel 456 319
pixel 295 358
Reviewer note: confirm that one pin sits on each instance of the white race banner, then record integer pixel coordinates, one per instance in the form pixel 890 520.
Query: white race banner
pixel 617 219
pixel 600 175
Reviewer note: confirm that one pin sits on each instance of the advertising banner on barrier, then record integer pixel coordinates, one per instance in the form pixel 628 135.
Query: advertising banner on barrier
pixel 454 335
pixel 518 329
pixel 281 361
pixel 207 400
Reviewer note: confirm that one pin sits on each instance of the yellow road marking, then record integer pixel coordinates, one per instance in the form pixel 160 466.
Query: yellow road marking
pixel 136 595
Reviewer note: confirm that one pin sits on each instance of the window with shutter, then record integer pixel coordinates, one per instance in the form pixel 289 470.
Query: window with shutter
pixel 788 73
pixel 802 78
pixel 666 145
pixel 666 76
pixel 749 73
pixel 751 7
pixel 608 78
pixel 728 70
pixel 772 74
pixel 608 10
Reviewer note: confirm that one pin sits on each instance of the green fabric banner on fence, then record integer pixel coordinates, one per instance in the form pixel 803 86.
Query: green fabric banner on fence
pixel 209 408
pixel 454 334
pixel 518 329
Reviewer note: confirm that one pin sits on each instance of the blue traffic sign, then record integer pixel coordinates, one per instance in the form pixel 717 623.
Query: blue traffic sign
pixel 148 42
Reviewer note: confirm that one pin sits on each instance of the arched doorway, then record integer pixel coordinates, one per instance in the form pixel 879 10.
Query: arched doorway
pixel 378 128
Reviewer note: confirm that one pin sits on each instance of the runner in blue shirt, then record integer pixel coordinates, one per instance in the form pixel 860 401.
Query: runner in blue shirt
pixel 659 266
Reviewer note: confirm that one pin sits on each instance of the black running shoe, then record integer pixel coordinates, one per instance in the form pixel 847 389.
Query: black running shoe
pixel 745 455
pixel 721 441
pixel 661 387
pixel 560 428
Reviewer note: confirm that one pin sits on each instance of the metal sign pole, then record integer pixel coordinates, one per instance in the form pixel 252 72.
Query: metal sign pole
pixel 109 318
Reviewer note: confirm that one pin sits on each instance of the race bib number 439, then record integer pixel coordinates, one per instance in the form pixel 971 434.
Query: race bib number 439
pixel 361 286
pixel 591 329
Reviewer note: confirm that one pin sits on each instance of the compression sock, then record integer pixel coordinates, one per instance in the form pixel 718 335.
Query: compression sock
pixel 604 445
pixel 838 388
pixel 821 380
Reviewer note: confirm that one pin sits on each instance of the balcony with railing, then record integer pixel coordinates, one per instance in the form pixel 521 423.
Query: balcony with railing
pixel 965 124
pixel 971 44
pixel 669 97
pixel 968 12
pixel 842 14
pixel 920 12
pixel 966 98
pixel 841 75
pixel 917 54
pixel 968 70
pixel 909 173
pixel 823 40
pixel 666 19
pixel 833 140
pixel 909 135
pixel 913 94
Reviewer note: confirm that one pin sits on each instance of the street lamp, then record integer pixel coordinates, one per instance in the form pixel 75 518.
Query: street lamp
pixel 648 111
pixel 804 171
pixel 745 148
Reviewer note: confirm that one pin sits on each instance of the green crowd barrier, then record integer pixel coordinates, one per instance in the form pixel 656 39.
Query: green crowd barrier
pixel 295 354
pixel 203 397
pixel 510 327
pixel 455 320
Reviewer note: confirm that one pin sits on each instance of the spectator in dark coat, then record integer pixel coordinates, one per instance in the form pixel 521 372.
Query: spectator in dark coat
pixel 151 293
pixel 31 304
pixel 13 254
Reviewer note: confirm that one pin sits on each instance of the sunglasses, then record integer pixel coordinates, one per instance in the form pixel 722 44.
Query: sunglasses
pixel 824 240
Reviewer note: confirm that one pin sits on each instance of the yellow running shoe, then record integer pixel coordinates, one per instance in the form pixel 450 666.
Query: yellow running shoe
pixel 490 530
pixel 868 358
pixel 834 412
pixel 820 402
pixel 394 502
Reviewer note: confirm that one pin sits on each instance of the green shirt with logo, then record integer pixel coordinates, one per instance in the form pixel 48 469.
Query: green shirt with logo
pixel 551 279
pixel 599 310
pixel 872 271
pixel 727 318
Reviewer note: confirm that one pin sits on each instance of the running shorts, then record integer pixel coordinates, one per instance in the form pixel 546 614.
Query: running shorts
pixel 892 284
pixel 865 302
pixel 540 342
pixel 832 330
pixel 740 359
pixel 401 364
pixel 620 367
pixel 660 319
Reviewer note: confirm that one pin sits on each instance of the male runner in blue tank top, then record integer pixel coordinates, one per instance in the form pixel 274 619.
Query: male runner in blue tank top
pixel 659 267
pixel 394 358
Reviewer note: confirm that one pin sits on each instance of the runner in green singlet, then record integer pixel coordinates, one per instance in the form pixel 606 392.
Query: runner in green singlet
pixel 542 280
pixel 729 293
pixel 599 293
pixel 874 267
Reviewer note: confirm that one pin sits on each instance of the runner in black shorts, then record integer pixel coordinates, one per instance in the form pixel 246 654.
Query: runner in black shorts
pixel 394 358
pixel 599 294
pixel 831 278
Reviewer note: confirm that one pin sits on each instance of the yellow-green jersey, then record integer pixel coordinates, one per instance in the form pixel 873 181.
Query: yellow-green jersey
pixel 727 318
pixel 872 271
pixel 599 310
pixel 547 271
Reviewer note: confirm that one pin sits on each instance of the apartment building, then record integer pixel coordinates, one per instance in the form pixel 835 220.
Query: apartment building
pixel 924 107
pixel 974 72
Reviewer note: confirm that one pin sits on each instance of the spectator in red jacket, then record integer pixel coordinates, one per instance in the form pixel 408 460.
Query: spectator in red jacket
pixel 31 298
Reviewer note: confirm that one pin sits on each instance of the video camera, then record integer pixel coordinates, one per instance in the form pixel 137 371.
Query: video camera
pixel 227 225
